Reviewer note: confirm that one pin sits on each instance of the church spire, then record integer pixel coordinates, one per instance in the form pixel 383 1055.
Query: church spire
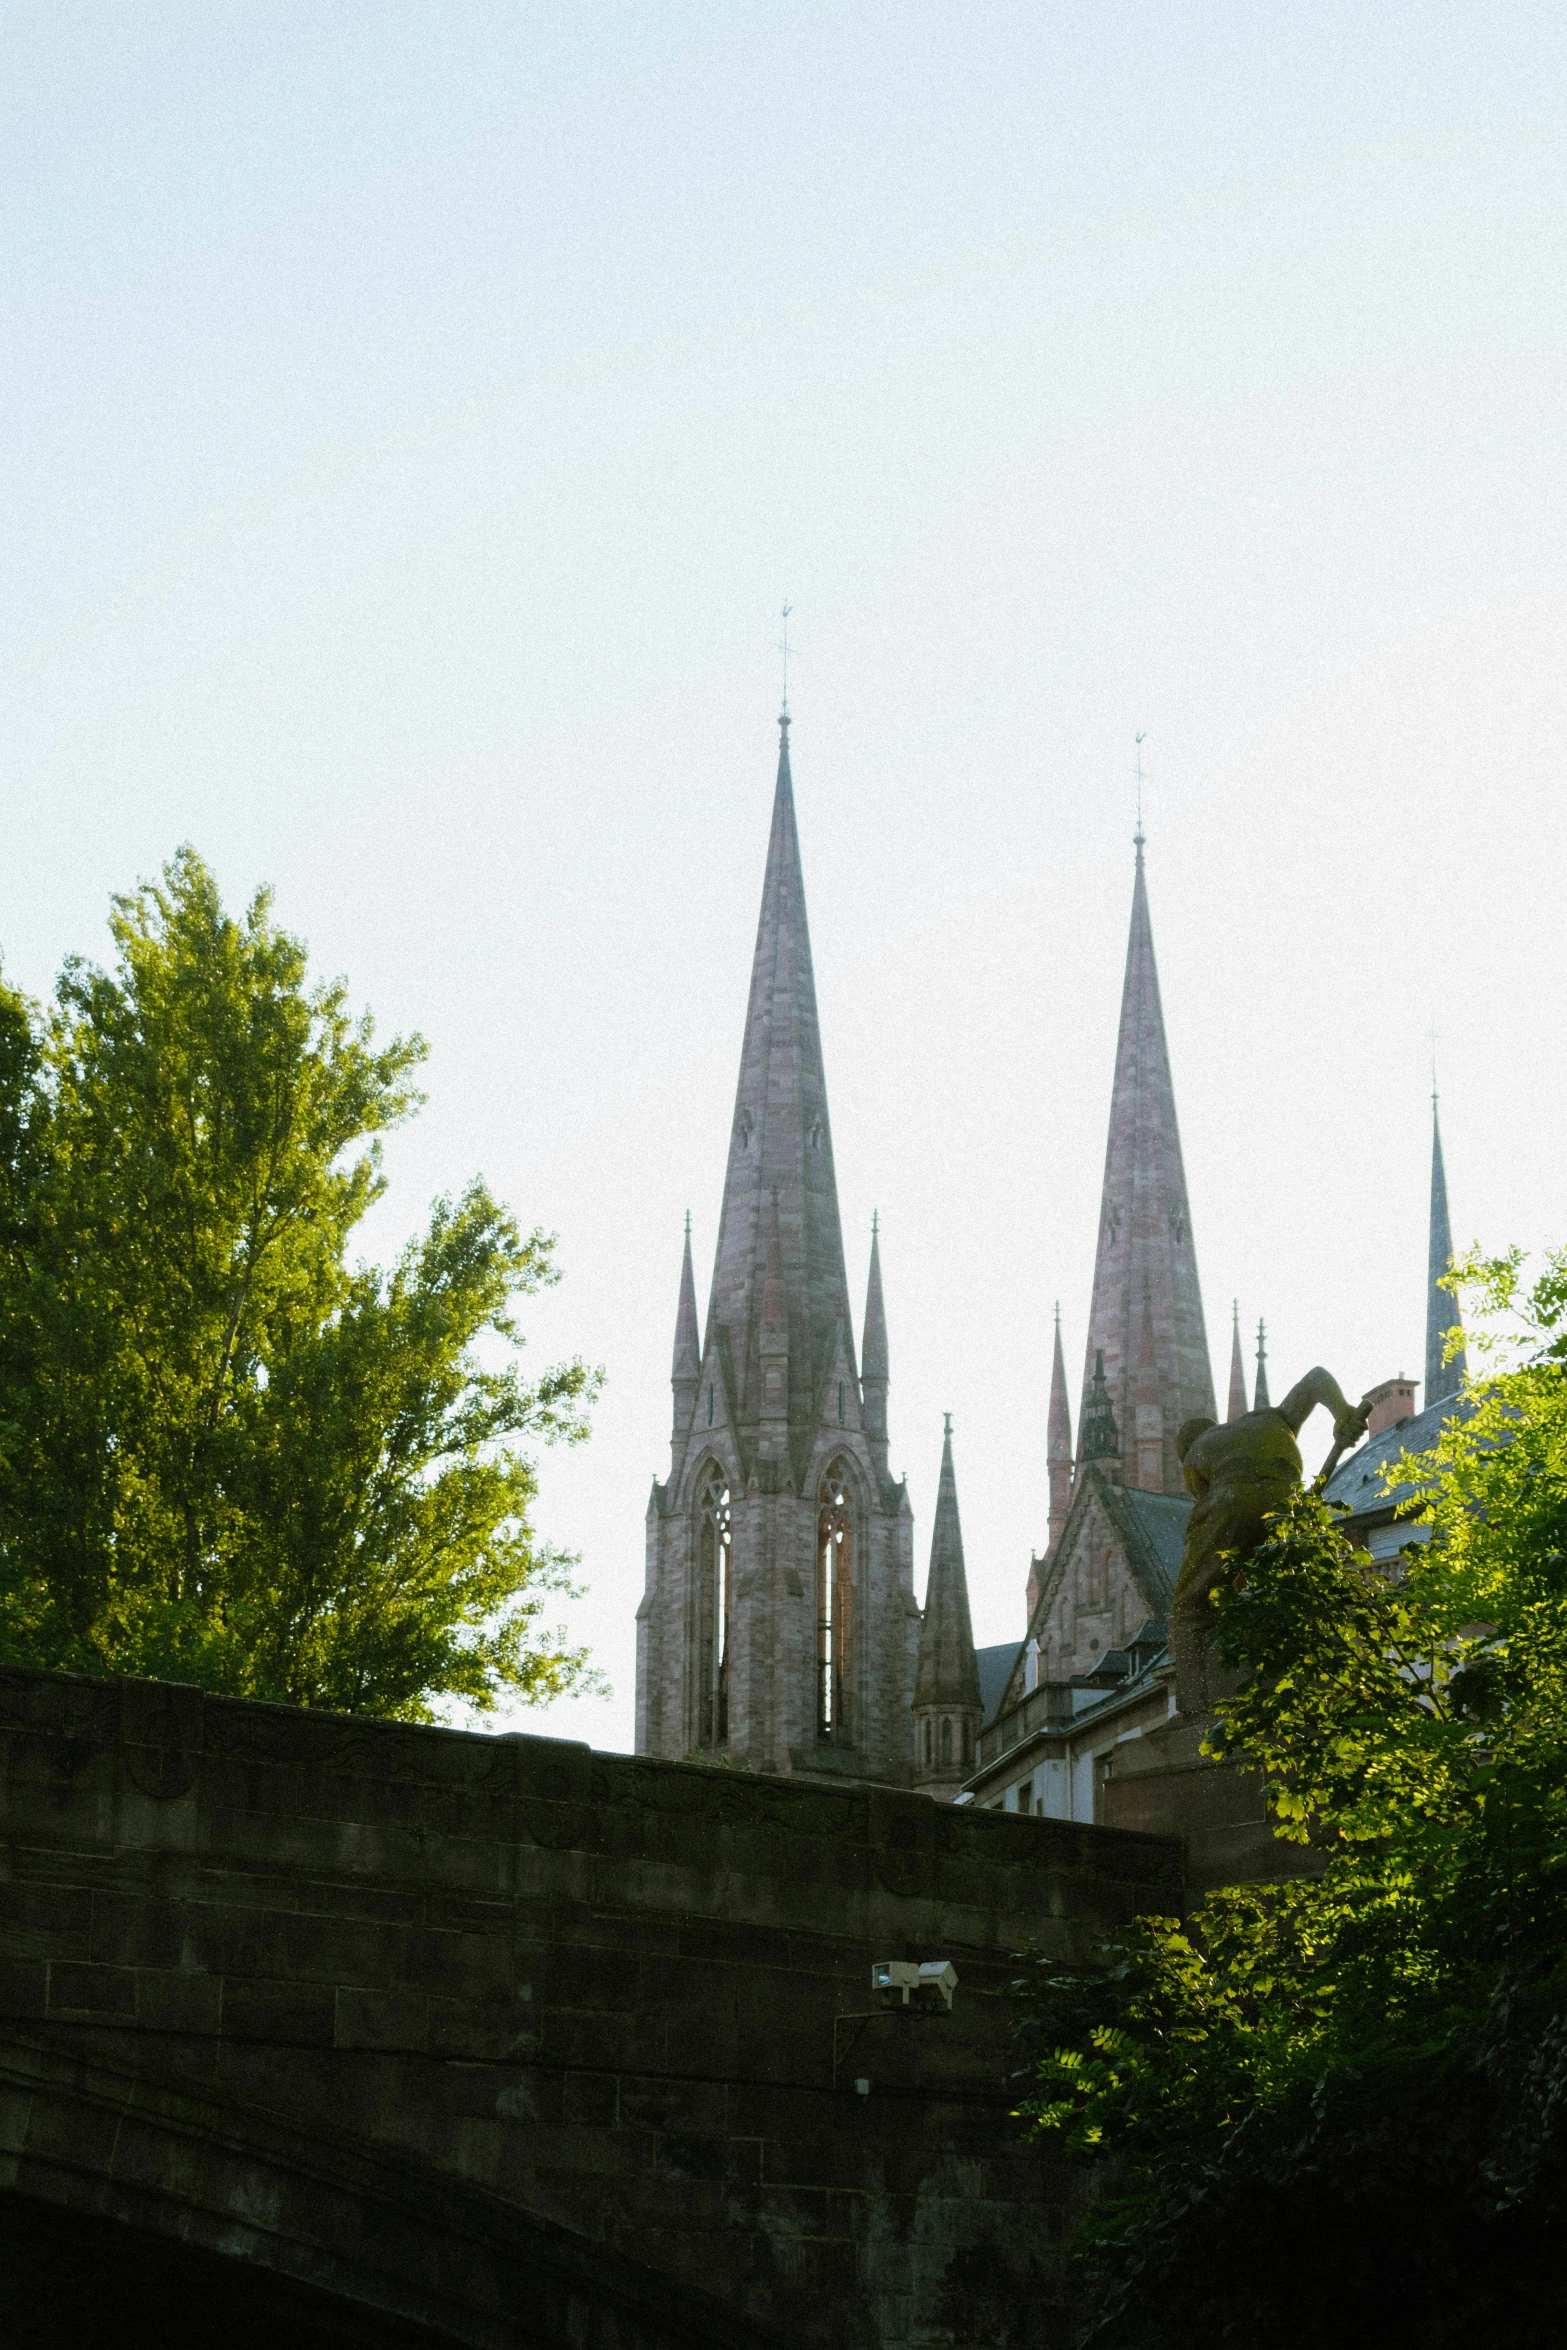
pixel 1260 1396
pixel 947 1708
pixel 1058 1449
pixel 873 1362
pixel 686 1369
pixel 780 1192
pixel 1145 1248
pixel 1237 1408
pixel 1443 1378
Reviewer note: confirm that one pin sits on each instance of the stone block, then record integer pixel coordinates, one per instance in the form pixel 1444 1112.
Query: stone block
pixel 91 1990
pixel 296 2015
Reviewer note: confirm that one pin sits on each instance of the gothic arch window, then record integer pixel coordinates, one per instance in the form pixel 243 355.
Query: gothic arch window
pixel 946 1742
pixel 835 1573
pixel 927 1742
pixel 713 1577
pixel 968 1745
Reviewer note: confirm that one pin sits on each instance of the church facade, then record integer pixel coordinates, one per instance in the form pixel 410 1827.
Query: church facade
pixel 778 1628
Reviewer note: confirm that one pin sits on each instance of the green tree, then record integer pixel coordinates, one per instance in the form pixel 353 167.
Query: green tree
pixel 227 1455
pixel 1335 2107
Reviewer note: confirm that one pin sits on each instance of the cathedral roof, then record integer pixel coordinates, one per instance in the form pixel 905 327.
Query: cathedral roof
pixel 1146 1259
pixel 780 1172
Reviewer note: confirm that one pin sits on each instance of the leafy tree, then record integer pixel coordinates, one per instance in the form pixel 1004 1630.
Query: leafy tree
pixel 227 1455
pixel 1335 2107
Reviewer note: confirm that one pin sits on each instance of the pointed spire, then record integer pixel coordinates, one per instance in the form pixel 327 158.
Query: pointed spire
pixel 1443 1378
pixel 686 1369
pixel 1150 1412
pixel 1145 1245
pixel 1098 1437
pixel 1261 1398
pixel 1058 1450
pixel 947 1673
pixel 780 1182
pixel 1237 1410
pixel 873 1358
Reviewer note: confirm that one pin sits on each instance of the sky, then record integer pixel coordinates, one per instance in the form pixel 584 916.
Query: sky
pixel 415 419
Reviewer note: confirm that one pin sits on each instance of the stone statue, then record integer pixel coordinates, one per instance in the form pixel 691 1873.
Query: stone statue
pixel 1237 1475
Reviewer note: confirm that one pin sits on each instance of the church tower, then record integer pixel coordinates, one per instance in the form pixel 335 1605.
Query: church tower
pixel 1146 1324
pixel 778 1626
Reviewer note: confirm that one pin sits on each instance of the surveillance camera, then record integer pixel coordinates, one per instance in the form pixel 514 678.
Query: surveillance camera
pixel 930 1980
pixel 938 1979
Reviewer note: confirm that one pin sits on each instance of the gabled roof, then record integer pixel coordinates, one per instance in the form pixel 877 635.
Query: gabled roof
pixel 995 1671
pixel 1152 1529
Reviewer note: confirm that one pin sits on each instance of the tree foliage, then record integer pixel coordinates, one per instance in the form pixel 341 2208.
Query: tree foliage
pixel 1335 2106
pixel 227 1454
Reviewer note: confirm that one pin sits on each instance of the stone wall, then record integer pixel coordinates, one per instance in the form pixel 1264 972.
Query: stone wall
pixel 521 2043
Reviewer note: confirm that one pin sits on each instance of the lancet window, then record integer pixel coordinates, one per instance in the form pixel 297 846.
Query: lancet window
pixel 712 1599
pixel 835 1566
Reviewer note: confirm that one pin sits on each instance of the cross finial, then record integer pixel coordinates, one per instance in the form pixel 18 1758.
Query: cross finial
pixel 688 1223
pixel 783 647
pixel 1138 835
pixel 875 1222
pixel 1432 1034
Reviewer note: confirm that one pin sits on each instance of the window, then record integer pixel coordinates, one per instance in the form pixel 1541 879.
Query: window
pixel 710 1407
pixel 840 1403
pixel 968 1746
pixel 927 1743
pixel 834 1608
pixel 1031 1667
pixel 713 1580
pixel 946 1743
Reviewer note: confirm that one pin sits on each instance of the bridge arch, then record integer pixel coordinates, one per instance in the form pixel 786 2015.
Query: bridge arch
pixel 125 2201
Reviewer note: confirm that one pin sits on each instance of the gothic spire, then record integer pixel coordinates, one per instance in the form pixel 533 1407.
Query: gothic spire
pixel 1443 1378
pixel 947 1672
pixel 1058 1448
pixel 687 1365
pixel 1260 1397
pixel 873 1356
pixel 1237 1408
pixel 1145 1243
pixel 780 1174
pixel 1098 1438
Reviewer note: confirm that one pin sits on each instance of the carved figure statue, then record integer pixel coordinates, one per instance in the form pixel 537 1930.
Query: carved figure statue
pixel 1238 1474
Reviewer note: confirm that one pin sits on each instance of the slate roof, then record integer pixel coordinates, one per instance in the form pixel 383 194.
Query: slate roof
pixel 995 1671
pixel 1356 1484
pixel 1160 1520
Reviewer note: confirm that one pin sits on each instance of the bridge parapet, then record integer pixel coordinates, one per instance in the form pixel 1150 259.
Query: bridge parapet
pixel 588 2000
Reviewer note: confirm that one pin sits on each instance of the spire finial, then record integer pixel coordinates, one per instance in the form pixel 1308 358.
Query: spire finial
pixel 1058 1315
pixel 1139 836
pixel 946 1420
pixel 688 1223
pixel 875 1222
pixel 783 647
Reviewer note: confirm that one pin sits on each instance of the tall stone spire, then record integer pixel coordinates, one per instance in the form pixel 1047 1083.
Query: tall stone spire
pixel 1260 1396
pixel 1145 1247
pixel 778 1627
pixel 780 1152
pixel 1443 1378
pixel 1237 1410
pixel 1058 1450
pixel 873 1356
pixel 947 1708
pixel 686 1371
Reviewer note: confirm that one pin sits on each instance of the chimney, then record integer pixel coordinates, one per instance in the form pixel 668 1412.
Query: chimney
pixel 1391 1405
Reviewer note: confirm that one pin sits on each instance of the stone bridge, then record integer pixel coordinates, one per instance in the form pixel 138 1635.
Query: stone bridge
pixel 321 2031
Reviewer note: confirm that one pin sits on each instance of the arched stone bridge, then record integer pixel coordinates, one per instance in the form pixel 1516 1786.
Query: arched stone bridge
pixel 321 2031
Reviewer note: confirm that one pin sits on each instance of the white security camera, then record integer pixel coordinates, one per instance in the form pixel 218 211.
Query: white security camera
pixel 929 1980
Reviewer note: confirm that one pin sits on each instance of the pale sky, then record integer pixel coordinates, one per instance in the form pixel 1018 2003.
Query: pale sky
pixel 414 419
